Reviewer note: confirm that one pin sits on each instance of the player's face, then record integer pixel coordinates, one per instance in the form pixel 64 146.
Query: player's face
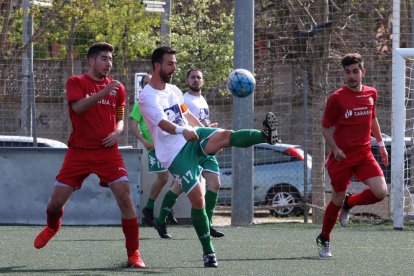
pixel 353 76
pixel 168 67
pixel 101 66
pixel 195 81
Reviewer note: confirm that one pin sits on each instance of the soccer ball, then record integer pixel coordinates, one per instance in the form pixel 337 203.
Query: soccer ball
pixel 241 83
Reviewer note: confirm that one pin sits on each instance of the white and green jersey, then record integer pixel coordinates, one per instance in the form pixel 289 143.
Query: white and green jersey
pixel 167 104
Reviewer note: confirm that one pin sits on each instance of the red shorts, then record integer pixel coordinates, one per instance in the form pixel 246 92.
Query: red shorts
pixel 360 165
pixel 107 164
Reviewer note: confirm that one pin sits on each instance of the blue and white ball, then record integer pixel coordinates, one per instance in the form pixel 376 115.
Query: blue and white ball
pixel 241 83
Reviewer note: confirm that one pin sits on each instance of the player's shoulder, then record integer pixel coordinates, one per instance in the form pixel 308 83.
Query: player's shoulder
pixel 174 88
pixel 369 89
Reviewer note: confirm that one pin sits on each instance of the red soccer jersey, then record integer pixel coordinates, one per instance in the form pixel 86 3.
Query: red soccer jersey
pixel 351 114
pixel 96 123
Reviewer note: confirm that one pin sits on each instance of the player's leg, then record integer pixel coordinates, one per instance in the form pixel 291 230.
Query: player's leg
pixel 187 172
pixel 201 223
pixel 117 180
pixel 156 187
pixel 340 174
pixel 54 214
pixel 166 207
pixel 129 222
pixel 245 137
pixel 211 175
pixel 371 174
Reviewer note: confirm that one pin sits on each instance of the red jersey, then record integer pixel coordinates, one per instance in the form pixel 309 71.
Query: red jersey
pixel 351 114
pixel 96 123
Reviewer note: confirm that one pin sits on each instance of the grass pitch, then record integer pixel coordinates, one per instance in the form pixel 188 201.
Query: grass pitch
pixel 265 249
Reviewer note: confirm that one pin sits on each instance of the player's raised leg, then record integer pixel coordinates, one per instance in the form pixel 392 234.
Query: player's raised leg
pixel 245 137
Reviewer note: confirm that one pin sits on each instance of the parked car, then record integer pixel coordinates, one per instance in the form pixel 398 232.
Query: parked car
pixel 278 178
pixel 11 141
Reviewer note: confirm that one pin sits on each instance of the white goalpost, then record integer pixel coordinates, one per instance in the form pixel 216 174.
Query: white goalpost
pixel 402 118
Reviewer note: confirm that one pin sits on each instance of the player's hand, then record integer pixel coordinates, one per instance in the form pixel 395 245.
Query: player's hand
pixel 384 155
pixel 339 154
pixel 190 134
pixel 113 85
pixel 148 146
pixel 111 139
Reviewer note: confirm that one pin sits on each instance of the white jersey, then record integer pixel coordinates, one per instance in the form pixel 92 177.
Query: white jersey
pixel 167 104
pixel 198 106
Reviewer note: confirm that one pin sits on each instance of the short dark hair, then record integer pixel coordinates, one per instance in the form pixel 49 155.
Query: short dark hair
pixel 158 54
pixel 352 58
pixel 98 47
pixel 193 69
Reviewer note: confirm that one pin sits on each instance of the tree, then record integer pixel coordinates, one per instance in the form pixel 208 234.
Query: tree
pixel 202 32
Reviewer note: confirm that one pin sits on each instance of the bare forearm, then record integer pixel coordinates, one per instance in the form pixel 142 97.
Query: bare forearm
pixel 376 130
pixel 327 134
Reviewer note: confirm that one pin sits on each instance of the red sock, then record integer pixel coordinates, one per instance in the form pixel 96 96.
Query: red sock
pixel 54 219
pixel 365 197
pixel 130 228
pixel 329 220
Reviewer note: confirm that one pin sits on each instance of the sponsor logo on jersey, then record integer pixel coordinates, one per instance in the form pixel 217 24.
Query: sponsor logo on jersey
pixel 348 113
pixel 358 111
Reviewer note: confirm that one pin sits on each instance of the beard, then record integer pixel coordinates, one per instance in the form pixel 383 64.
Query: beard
pixel 165 77
pixel 195 88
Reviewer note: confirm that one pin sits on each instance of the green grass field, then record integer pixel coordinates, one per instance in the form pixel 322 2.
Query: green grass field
pixel 265 249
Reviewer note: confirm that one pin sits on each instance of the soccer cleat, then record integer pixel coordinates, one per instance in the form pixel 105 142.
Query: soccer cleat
pixel 344 213
pixel 210 260
pixel 269 128
pixel 44 237
pixel 324 247
pixel 148 216
pixel 135 260
pixel 172 218
pixel 216 234
pixel 162 230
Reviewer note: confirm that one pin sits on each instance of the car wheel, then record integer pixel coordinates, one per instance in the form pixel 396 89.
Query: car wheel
pixel 285 199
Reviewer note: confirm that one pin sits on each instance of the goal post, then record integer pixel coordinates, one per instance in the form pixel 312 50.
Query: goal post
pixel 401 144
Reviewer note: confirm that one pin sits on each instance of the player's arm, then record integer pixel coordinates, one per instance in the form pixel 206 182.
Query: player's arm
pixel 189 133
pixel 136 131
pixel 192 119
pixel 329 139
pixel 113 137
pixel 376 132
pixel 80 106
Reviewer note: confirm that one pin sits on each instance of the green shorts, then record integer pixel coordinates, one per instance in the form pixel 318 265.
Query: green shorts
pixel 154 166
pixel 192 160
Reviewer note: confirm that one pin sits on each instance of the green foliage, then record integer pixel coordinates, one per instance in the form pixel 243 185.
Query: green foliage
pixel 202 33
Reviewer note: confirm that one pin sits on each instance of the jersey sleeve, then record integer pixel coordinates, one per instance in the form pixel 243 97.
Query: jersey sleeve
pixel 74 89
pixel 374 109
pixel 151 109
pixel 330 113
pixel 122 96
pixel 136 112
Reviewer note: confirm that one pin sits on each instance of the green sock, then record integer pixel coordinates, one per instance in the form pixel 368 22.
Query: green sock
pixel 150 203
pixel 246 137
pixel 201 225
pixel 211 201
pixel 168 202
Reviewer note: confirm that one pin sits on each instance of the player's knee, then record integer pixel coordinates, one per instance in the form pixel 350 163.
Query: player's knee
pixel 163 178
